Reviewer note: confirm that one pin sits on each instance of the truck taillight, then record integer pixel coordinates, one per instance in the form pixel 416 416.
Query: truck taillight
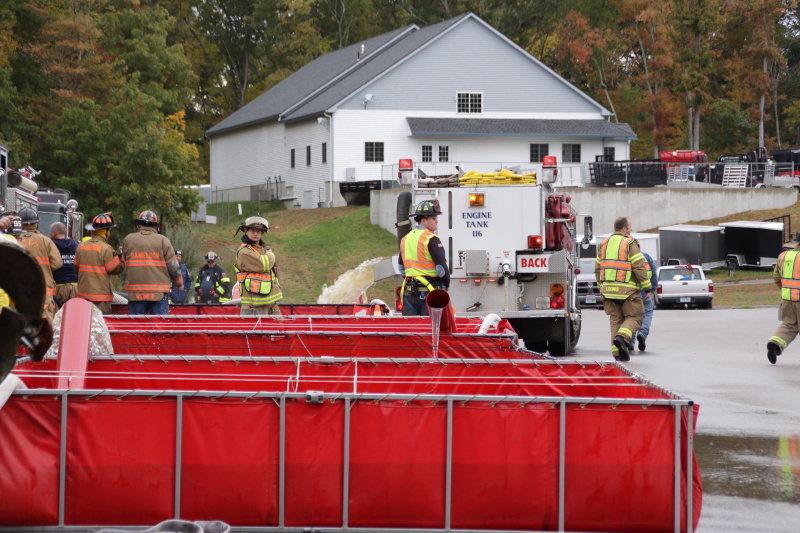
pixel 556 302
pixel 658 289
pixel 535 242
pixel 710 287
pixel 557 289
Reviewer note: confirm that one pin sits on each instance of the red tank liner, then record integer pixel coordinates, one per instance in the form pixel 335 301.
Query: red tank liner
pixel 190 425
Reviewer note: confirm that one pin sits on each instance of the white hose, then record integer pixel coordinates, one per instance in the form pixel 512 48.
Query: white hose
pixel 377 301
pixel 9 385
pixel 490 321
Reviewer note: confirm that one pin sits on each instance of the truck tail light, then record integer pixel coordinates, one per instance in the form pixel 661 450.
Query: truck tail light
pixel 658 289
pixel 556 302
pixel 557 289
pixel 710 287
pixel 535 242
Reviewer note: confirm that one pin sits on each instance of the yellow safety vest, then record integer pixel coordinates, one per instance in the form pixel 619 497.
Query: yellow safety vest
pixel 257 285
pixel 417 260
pixel 789 268
pixel 616 268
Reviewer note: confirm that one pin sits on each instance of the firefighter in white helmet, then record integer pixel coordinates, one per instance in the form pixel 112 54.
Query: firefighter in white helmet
pixel 256 270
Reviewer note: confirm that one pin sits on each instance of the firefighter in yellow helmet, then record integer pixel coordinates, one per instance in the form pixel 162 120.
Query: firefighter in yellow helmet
pixel 787 277
pixel 256 270
pixel 622 272
pixel 422 260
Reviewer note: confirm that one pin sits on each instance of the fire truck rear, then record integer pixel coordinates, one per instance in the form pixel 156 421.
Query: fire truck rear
pixel 511 245
pixel 19 190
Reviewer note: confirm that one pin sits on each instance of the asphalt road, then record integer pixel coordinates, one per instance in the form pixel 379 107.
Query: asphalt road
pixel 748 429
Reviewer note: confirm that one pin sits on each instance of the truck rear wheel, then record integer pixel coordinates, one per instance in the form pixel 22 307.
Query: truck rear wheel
pixel 561 348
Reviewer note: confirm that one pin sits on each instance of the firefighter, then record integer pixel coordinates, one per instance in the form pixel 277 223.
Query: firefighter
pixel 96 262
pixel 177 296
pixel 66 277
pixel 46 254
pixel 621 271
pixel 787 277
pixel 422 260
pixel 151 267
pixel 213 286
pixel 256 270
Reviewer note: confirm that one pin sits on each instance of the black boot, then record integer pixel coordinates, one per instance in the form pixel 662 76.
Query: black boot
pixel 622 349
pixel 773 351
pixel 640 339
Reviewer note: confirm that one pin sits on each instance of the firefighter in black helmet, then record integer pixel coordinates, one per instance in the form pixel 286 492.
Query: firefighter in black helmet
pixel 96 261
pixel 422 260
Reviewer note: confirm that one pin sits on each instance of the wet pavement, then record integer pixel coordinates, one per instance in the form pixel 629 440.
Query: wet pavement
pixel 748 429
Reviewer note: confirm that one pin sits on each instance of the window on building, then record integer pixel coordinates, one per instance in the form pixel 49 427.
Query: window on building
pixel 609 153
pixel 470 102
pixel 373 151
pixel 291 156
pixel 427 153
pixel 538 151
pixel 571 153
pixel 444 153
pixel 308 155
pixel 324 152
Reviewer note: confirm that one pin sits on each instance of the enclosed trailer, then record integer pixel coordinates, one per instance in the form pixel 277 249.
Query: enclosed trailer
pixel 754 244
pixel 690 244
pixel 648 243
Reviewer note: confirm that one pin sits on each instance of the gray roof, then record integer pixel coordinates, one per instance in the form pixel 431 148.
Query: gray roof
pixel 501 127
pixel 329 78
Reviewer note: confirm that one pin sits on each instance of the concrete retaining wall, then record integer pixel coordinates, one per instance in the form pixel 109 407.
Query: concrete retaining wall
pixel 648 208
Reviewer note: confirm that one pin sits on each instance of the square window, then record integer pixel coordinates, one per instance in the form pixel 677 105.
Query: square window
pixel 538 151
pixel 291 157
pixel 609 153
pixel 427 153
pixel 571 153
pixel 469 102
pixel 373 151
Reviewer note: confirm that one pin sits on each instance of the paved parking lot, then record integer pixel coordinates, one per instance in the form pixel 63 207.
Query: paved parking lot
pixel 748 429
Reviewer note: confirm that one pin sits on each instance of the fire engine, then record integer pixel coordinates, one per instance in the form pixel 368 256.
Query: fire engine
pixel 19 190
pixel 511 246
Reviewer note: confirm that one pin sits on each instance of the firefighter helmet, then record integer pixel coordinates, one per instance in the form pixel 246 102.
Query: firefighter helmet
pixel 101 221
pixel 255 222
pixel 211 256
pixel 16 226
pixel 147 218
pixel 28 215
pixel 428 208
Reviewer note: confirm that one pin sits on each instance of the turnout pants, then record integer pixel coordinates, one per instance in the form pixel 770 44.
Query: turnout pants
pixel 625 316
pixel 787 331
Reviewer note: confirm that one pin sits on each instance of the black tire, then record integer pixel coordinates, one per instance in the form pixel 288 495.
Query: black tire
pixel 705 305
pixel 561 348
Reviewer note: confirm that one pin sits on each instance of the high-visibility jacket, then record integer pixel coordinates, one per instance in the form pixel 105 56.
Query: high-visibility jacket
pixel 417 259
pixel 96 262
pixel 47 255
pixel 620 268
pixel 150 263
pixel 255 271
pixel 787 274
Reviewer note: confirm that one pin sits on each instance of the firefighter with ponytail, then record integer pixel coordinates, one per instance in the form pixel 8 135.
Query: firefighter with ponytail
pixel 256 270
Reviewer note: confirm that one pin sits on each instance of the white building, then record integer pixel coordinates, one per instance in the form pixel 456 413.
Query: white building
pixel 457 92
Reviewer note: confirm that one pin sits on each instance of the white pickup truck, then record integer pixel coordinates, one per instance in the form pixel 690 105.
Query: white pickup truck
pixel 683 285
